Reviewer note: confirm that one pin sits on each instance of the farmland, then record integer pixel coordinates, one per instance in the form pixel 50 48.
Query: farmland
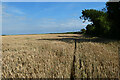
pixel 57 56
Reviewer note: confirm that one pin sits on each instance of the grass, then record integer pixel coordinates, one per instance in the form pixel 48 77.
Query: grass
pixel 51 56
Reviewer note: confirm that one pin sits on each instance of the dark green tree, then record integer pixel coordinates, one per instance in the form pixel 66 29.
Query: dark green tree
pixel 90 29
pixel 113 12
pixel 100 25
pixel 83 31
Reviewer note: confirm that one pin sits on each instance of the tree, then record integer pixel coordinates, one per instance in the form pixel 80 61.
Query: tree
pixel 100 26
pixel 113 12
pixel 105 22
pixel 83 31
pixel 90 29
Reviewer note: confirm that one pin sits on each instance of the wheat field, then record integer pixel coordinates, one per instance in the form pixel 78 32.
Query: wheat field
pixel 57 56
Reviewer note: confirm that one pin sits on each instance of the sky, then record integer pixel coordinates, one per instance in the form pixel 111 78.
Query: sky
pixel 44 17
pixel 55 0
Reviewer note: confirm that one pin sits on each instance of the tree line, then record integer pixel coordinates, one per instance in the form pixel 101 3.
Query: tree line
pixel 105 22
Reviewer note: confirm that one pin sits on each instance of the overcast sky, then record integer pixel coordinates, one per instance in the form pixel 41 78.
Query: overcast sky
pixel 44 17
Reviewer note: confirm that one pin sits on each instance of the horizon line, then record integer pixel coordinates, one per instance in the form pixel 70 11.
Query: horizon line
pixel 39 33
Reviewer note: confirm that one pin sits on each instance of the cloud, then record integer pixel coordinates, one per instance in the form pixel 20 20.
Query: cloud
pixel 60 25
pixel 17 11
pixel 11 21
pixel 7 10
pixel 0 12
pixel 17 25
pixel 20 24
pixel 16 22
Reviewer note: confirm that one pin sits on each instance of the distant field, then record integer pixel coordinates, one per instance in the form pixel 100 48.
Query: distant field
pixel 52 56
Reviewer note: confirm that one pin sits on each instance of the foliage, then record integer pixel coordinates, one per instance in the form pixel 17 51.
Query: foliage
pixel 100 26
pixel 105 23
pixel 90 29
pixel 113 12
pixel 83 31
